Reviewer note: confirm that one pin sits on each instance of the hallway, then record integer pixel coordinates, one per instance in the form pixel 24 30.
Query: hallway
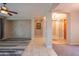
pixel 37 48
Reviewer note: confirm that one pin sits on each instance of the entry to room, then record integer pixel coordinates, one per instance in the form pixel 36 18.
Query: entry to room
pixel 59 23
pixel 38 26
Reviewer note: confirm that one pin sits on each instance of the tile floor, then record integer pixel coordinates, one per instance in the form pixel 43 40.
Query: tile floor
pixel 36 48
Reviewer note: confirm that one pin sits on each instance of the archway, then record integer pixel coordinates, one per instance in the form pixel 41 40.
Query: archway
pixel 59 24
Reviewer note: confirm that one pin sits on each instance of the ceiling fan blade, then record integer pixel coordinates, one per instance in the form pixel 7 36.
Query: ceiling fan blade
pixel 10 14
pixel 13 12
pixel 4 10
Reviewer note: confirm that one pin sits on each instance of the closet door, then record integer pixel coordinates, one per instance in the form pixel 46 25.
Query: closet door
pixel 61 29
pixel 58 29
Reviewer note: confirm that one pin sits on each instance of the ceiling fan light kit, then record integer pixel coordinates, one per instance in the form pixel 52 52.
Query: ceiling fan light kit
pixel 5 10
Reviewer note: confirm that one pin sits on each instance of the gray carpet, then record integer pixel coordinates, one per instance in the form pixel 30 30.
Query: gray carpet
pixel 13 47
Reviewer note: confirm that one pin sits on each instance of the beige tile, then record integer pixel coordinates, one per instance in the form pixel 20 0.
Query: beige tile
pixel 36 48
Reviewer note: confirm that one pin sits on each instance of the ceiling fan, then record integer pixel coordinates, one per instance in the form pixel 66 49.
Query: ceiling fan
pixel 4 9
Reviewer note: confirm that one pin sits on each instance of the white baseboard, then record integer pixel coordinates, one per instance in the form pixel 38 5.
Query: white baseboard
pixel 73 43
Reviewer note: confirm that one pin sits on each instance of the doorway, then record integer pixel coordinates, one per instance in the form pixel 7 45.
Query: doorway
pixel 38 31
pixel 1 28
pixel 38 27
pixel 59 25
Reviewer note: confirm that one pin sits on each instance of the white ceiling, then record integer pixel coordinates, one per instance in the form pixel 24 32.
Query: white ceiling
pixel 30 10
pixel 68 7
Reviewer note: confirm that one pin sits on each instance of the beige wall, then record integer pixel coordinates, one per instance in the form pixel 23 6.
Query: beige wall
pixel 74 28
pixel 17 29
pixel 22 29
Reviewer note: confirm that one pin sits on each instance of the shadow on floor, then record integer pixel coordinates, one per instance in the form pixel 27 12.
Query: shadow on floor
pixel 13 47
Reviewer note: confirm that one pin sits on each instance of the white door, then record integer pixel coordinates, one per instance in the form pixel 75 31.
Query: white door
pixel 58 29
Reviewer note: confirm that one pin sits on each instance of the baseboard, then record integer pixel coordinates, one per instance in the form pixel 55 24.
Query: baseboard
pixel 73 43
pixel 15 38
pixel 3 38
